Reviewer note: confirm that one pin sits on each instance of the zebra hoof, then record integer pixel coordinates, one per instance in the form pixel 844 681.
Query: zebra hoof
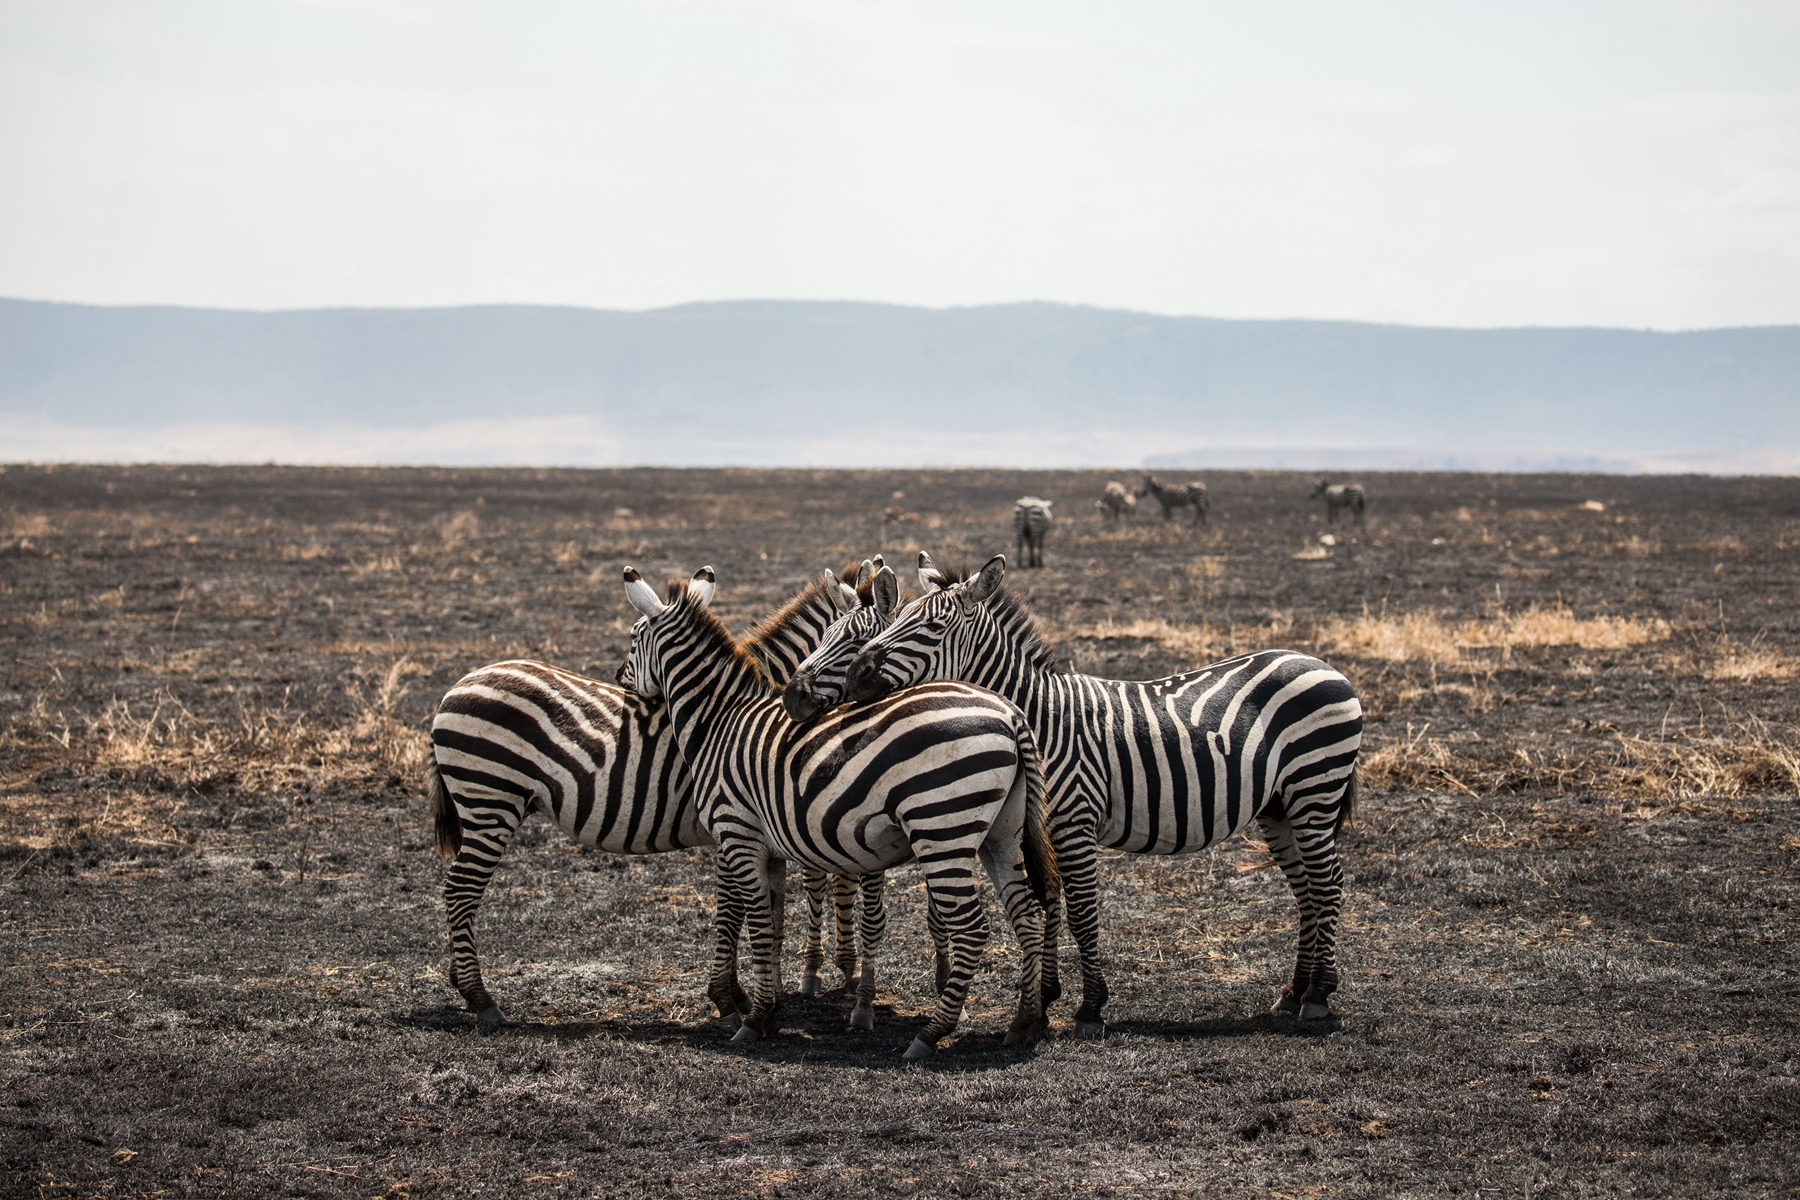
pixel 746 1033
pixel 1090 1029
pixel 1025 1036
pixel 919 1051
pixel 1285 1004
pixel 736 1022
pixel 861 1021
pixel 810 985
pixel 1312 1011
pixel 492 1018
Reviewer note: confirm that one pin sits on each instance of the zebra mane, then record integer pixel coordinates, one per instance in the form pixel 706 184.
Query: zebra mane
pixel 713 629
pixel 776 623
pixel 1014 617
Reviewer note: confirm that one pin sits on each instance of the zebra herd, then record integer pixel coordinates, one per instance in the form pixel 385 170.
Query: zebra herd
pixel 1032 519
pixel 856 729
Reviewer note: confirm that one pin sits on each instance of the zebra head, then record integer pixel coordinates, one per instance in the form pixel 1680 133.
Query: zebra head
pixel 642 672
pixel 929 638
pixel 1320 488
pixel 818 683
pixel 1145 488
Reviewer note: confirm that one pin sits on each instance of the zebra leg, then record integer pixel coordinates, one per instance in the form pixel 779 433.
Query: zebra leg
pixel 735 884
pixel 950 886
pixel 1325 882
pixel 813 958
pixel 465 881
pixel 871 929
pixel 1285 849
pixel 774 883
pixel 1053 916
pixel 843 898
pixel 1005 865
pixel 1077 858
pixel 940 946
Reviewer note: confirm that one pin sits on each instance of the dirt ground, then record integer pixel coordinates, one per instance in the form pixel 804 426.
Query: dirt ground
pixel 1568 958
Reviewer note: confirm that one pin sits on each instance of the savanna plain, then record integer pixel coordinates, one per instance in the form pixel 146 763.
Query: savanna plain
pixel 1567 954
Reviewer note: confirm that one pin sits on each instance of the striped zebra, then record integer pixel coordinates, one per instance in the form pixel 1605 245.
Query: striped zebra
pixel 602 762
pixel 1340 495
pixel 946 774
pixel 1031 521
pixel 1186 495
pixel 1116 502
pixel 1162 767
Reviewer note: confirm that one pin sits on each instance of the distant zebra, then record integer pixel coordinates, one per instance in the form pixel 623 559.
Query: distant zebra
pixel 1116 502
pixel 946 774
pixel 1187 495
pixel 1340 495
pixel 603 764
pixel 1164 767
pixel 1031 521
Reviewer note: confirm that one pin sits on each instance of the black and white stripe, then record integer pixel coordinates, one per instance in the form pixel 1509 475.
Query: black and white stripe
pixel 602 762
pixel 1116 502
pixel 1339 496
pixel 1187 495
pixel 1163 767
pixel 946 774
pixel 1031 521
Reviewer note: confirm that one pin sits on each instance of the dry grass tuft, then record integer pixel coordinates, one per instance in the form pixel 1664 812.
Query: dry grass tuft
pixel 262 747
pixel 1745 663
pixel 1750 761
pixel 1426 637
pixel 1198 641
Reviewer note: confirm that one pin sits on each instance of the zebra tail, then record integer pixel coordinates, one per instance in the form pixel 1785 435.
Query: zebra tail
pixel 443 814
pixel 1347 812
pixel 1040 857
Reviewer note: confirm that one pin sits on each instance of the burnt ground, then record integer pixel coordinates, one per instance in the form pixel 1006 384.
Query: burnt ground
pixel 1567 955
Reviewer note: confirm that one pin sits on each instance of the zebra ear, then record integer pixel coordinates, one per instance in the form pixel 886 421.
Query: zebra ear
pixel 886 587
pixel 878 562
pixel 930 578
pixel 642 596
pixel 983 585
pixel 865 572
pixel 846 598
pixel 701 586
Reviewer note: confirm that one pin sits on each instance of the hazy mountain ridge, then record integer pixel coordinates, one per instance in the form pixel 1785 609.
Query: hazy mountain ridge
pixel 758 374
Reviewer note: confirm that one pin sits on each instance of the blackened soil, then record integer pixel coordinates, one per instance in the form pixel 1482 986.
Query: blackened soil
pixel 221 948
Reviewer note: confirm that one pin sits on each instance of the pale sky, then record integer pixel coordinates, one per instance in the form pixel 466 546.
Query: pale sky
pixel 1634 163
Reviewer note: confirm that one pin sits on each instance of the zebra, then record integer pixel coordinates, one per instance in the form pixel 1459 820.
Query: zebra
pixel 603 763
pixel 1031 521
pixel 1116 502
pixel 947 774
pixel 1186 495
pixel 1340 495
pixel 1162 767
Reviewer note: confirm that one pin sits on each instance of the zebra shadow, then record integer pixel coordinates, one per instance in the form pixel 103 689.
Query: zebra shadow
pixel 1259 1025
pixel 813 1031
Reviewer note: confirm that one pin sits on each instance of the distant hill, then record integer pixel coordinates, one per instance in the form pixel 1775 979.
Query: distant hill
pixel 764 382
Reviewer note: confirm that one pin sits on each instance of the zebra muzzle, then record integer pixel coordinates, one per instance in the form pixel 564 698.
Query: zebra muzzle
pixel 865 681
pixel 799 699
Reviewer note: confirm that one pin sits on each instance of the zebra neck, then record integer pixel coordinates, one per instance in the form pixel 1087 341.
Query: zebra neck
pixel 704 678
pixel 1009 657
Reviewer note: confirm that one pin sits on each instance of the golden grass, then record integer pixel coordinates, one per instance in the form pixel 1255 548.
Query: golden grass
pixel 260 747
pixel 1194 640
pixel 1749 761
pixel 1426 637
pixel 1742 664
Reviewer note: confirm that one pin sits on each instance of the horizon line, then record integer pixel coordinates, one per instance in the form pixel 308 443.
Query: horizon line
pixel 948 308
